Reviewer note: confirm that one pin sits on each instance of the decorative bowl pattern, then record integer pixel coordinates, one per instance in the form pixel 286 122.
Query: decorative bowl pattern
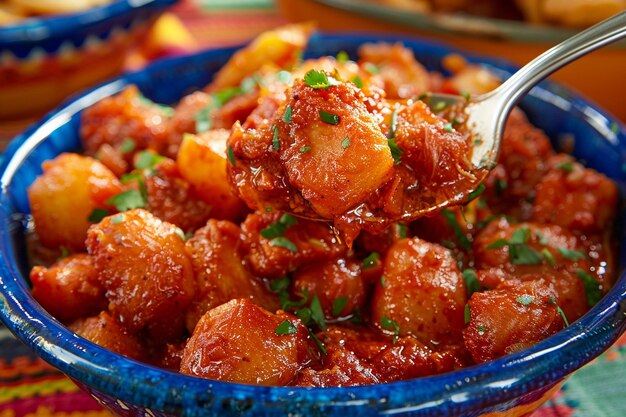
pixel 43 60
pixel 511 386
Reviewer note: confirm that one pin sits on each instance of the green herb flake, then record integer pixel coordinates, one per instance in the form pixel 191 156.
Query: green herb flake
pixel 283 76
pixel 338 305
pixel 448 127
pixel 370 261
pixel 615 128
pixel 203 119
pixel 396 151
pixel 560 311
pixel 383 282
pixel 520 236
pixel 231 155
pixel 147 160
pixel 371 68
pixel 127 146
pixel 500 243
pixel 318 79
pixel 592 289
pixel 275 141
pixel 280 284
pixel 500 186
pixel 317 314
pixel 482 330
pixel 389 324
pixel 64 252
pixel 330 118
pixel 268 209
pixel 402 231
pixel 345 143
pixel 467 95
pixel 477 192
pixel 542 239
pixel 97 215
pixel 525 299
pixel 572 255
pixel 222 97
pixel 566 166
pixel 467 314
pixel 342 56
pixel 456 228
pixel 304 149
pixel 524 255
pixel 127 200
pixel 548 257
pixel 358 81
pixel 287 115
pixel 179 232
pixel 393 124
pixel 279 228
pixel 283 242
pixel 471 282
pixel 285 328
pixel 118 218
pixel 166 110
pixel 319 344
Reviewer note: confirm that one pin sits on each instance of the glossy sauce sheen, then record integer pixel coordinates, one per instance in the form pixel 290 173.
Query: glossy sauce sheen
pixel 173 239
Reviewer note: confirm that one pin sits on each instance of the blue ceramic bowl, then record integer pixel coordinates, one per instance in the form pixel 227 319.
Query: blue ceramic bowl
pixel 44 59
pixel 510 386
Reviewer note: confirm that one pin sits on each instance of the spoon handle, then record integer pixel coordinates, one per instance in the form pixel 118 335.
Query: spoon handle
pixel 597 36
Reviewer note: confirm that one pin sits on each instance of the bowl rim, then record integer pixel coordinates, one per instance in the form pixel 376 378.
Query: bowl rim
pixel 36 29
pixel 482 385
pixel 460 24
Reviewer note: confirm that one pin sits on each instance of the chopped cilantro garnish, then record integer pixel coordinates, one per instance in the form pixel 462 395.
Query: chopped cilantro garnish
pixel 127 200
pixel 481 330
pixel 283 242
pixel 317 314
pixel 64 252
pixel 275 141
pixel 592 289
pixel 567 166
pixel 345 143
pixel 466 94
pixel 500 243
pixel 287 114
pixel 382 281
pixel 338 305
pixel 330 118
pixel 319 344
pixel 389 324
pixel 203 119
pixel 358 81
pixel 179 232
pixel 467 314
pixel 127 146
pixel 542 239
pixel 371 68
pixel 401 230
pixel 519 252
pixel 304 149
pixel 147 160
pixel 560 311
pixel 448 127
pixel 396 151
pixel 477 192
pixel 278 228
pixel 471 282
pixel 370 261
pixel 456 228
pixel 342 56
pixel 285 328
pixel 500 186
pixel 280 284
pixel 572 255
pixel 97 215
pixel 548 256
pixel 224 96
pixel 166 110
pixel 118 218
pixel 318 79
pixel 525 299
pixel 231 155
pixel 615 128
pixel 393 122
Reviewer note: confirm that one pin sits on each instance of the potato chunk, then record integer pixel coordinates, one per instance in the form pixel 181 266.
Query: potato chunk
pixel 69 289
pixel 202 161
pixel 511 318
pixel 421 293
pixel 216 254
pixel 65 195
pixel 106 331
pixel 240 342
pixel 146 271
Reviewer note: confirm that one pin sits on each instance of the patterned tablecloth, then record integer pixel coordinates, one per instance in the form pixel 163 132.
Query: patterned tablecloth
pixel 30 387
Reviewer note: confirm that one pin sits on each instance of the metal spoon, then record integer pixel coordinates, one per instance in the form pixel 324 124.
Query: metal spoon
pixel 486 114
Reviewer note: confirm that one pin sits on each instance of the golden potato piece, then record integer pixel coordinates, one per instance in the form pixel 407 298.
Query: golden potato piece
pixel 281 46
pixel 202 162
pixel 65 195
pixel 224 348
